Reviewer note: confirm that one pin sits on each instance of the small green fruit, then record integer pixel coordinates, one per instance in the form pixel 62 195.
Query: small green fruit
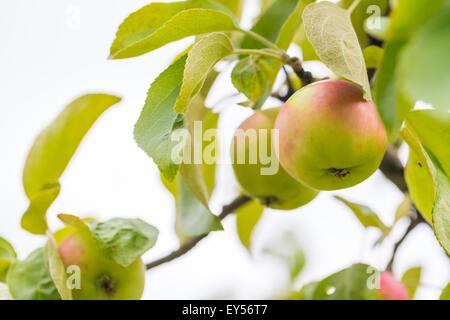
pixel 101 278
pixel 277 190
pixel 330 137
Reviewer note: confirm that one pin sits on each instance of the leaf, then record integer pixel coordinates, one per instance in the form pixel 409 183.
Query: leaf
pixel 30 279
pixel 194 177
pixel 247 218
pixel 194 172
pixel 441 210
pixel 293 22
pixel 158 121
pixel 300 39
pixel 365 215
pixel 411 280
pixel 409 15
pixel 385 89
pixel 373 56
pixel 433 130
pixel 445 295
pixel 429 192
pixel 348 284
pixel 125 240
pixel 34 219
pixel 270 23
pixel 158 24
pixel 419 175
pixel 250 76
pixel 366 9
pixel 200 60
pixel 422 73
pixel 330 31
pixel 195 219
pixel 7 257
pixel 52 151
pixel 404 209
pixel 57 270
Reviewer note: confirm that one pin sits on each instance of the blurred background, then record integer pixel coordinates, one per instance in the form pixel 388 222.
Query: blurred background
pixel 54 50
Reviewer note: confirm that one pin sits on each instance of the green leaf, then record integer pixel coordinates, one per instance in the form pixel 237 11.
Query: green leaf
pixel 409 15
pixel 34 219
pixel 200 61
pixel 430 191
pixel 411 280
pixel 362 12
pixel 366 216
pixel 423 65
pixel 57 270
pixel 158 24
pixel 404 209
pixel 194 218
pixel 433 130
pixel 7 256
pixel 247 218
pixel 157 121
pixel 300 39
pixel 384 89
pixel 125 240
pixel 31 280
pixel 419 175
pixel 349 284
pixel 445 295
pixel 441 210
pixel 52 151
pixel 198 170
pixel 270 23
pixel 330 31
pixel 373 56
pixel 194 184
pixel 250 76
pixel 291 25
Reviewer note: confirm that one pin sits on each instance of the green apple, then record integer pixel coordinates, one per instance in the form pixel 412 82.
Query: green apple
pixel 330 137
pixel 263 177
pixel 100 277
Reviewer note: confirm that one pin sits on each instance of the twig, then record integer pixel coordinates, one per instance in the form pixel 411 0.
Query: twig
pixel 392 168
pixel 415 221
pixel 191 243
pixel 294 62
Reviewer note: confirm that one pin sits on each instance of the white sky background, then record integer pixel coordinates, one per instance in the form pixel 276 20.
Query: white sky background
pixel 55 50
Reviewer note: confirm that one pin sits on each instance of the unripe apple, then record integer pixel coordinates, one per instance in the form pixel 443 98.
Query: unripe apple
pixel 330 137
pixel 391 288
pixel 101 278
pixel 263 178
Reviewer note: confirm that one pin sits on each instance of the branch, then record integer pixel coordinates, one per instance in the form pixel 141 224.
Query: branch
pixel 294 62
pixel 415 221
pixel 393 169
pixel 191 243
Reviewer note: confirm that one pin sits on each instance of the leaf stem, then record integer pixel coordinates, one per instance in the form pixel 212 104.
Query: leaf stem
pixel 191 243
pixel 261 39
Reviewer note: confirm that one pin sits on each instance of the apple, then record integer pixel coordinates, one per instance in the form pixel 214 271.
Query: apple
pixel 101 278
pixel 276 189
pixel 330 137
pixel 391 288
